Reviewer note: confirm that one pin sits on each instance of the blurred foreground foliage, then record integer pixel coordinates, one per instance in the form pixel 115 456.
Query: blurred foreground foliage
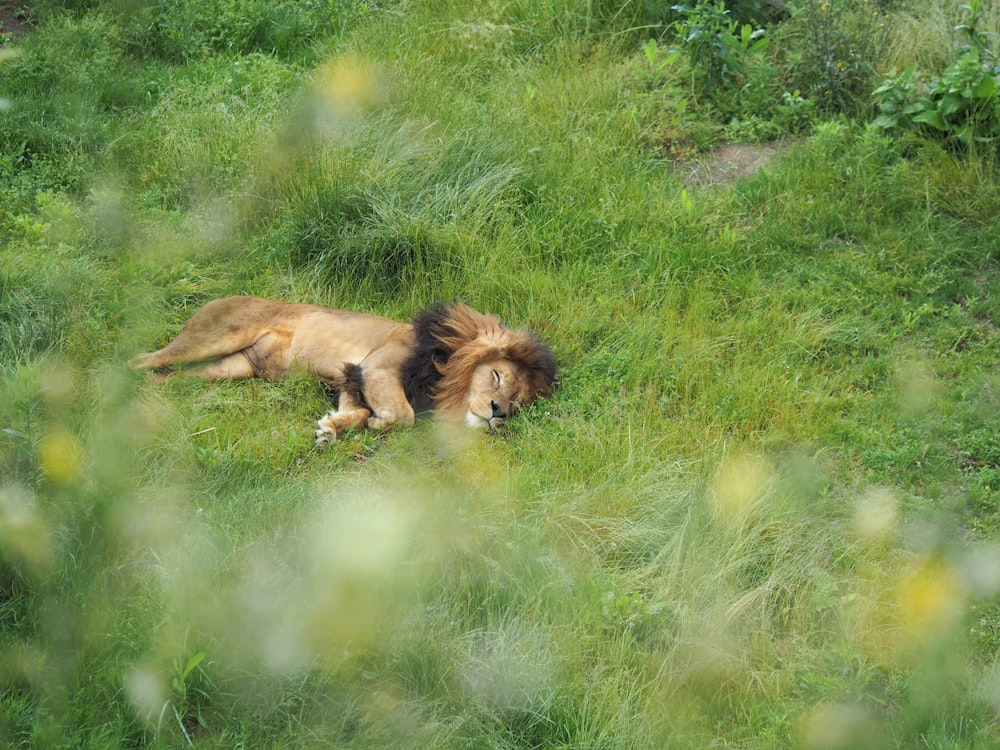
pixel 761 510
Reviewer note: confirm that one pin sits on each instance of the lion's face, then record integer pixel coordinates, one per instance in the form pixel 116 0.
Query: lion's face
pixel 497 389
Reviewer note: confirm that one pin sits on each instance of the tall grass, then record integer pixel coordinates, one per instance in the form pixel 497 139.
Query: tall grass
pixel 759 511
pixel 927 33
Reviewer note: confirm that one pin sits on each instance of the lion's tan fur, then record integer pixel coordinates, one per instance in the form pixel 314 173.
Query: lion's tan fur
pixel 464 364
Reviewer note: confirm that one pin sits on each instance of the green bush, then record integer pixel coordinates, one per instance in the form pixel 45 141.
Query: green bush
pixel 720 48
pixel 960 108
pixel 836 51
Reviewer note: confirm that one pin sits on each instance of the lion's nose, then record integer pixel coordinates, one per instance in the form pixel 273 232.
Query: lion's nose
pixel 497 411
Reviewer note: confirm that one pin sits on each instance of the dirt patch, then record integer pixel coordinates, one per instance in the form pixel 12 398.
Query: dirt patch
pixel 727 164
pixel 14 18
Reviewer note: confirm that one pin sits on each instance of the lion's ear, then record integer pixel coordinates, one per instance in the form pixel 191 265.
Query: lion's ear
pixel 537 360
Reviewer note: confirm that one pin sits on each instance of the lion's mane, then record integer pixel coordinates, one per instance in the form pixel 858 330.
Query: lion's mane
pixel 451 340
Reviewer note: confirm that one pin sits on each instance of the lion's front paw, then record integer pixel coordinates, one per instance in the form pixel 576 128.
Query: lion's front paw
pixel 326 430
pixel 378 423
pixel 329 427
pixel 390 418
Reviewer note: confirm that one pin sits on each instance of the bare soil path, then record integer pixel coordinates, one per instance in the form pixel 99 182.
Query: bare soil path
pixel 731 162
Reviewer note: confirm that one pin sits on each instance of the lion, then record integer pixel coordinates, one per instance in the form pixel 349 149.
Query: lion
pixel 460 364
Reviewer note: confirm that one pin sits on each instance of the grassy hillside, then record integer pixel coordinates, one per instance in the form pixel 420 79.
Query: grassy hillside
pixel 761 510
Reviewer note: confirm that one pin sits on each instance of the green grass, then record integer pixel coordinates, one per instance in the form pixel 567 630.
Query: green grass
pixel 760 511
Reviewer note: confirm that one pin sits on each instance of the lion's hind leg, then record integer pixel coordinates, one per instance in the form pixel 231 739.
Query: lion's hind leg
pixel 235 366
pixel 212 342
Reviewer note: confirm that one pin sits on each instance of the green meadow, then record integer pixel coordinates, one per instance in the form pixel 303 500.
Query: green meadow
pixel 761 508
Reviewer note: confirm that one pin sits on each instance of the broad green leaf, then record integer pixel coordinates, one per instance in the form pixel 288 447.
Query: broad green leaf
pixel 933 118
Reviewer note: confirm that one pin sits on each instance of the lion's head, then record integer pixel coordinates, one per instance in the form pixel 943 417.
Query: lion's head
pixel 483 371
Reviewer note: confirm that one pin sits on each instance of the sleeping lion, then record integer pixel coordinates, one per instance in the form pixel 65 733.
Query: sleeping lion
pixel 463 365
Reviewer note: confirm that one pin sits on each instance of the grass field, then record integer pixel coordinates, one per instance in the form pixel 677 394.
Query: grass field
pixel 761 509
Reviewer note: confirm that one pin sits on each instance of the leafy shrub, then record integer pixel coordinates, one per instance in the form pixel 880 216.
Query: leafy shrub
pixel 719 48
pixel 737 68
pixel 842 44
pixel 792 114
pixel 960 108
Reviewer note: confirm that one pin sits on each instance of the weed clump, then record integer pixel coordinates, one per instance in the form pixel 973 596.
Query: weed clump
pixel 960 108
